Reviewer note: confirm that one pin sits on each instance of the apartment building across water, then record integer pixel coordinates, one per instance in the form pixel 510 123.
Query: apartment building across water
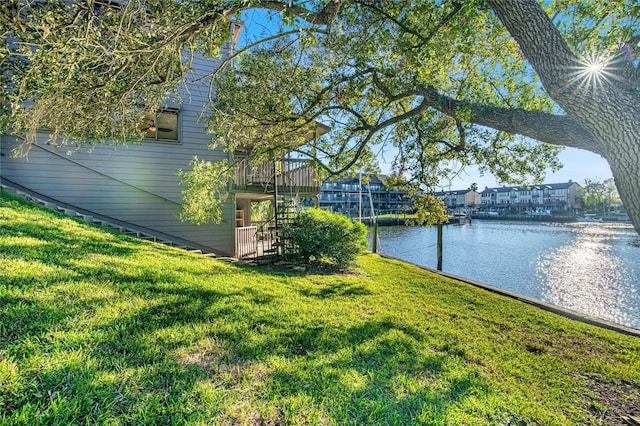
pixel 551 197
pixel 548 198
pixel 355 196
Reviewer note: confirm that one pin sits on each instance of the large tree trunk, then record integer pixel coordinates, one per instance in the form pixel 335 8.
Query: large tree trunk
pixel 625 165
pixel 604 104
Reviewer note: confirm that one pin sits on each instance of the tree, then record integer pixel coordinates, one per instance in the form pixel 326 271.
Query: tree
pixel 593 195
pixel 612 193
pixel 598 195
pixel 449 83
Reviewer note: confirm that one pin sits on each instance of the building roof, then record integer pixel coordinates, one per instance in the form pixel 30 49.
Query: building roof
pixel 373 180
pixel 454 192
pixel 562 185
pixel 354 180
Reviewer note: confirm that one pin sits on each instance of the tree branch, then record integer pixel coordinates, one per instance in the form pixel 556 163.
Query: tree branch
pixel 545 127
pixel 324 16
pixel 542 44
pixel 423 39
pixel 457 6
pixel 228 59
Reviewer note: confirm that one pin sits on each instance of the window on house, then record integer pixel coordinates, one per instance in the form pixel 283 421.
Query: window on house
pixel 162 125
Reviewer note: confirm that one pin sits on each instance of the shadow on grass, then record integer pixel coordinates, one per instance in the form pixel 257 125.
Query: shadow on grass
pixel 129 367
pixel 58 248
pixel 139 346
pixel 335 290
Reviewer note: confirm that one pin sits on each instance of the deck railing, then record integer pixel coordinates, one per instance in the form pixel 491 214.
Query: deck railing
pixel 246 241
pixel 289 173
pixel 255 241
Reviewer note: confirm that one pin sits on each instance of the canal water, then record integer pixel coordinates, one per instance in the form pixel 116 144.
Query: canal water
pixel 593 268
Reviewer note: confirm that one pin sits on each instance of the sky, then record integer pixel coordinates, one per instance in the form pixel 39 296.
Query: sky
pixel 578 165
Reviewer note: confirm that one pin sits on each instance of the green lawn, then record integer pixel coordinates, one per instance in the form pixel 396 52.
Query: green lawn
pixel 98 327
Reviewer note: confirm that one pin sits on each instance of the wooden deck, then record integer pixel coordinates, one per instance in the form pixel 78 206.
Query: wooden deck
pixel 290 176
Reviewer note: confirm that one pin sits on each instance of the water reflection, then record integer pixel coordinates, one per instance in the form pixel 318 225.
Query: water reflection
pixel 591 268
pixel 587 275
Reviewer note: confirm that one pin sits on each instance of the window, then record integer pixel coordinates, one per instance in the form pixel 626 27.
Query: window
pixel 162 125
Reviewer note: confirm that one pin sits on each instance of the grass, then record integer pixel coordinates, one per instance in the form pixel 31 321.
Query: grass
pixel 98 327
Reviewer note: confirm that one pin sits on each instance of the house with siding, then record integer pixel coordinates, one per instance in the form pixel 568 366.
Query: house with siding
pixel 459 199
pixel 137 185
pixel 552 197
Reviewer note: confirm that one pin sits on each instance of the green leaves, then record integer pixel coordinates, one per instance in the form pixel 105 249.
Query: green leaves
pixel 89 71
pixel 598 196
pixel 324 237
pixel 205 192
pixel 412 75
pixel 430 210
pixel 423 77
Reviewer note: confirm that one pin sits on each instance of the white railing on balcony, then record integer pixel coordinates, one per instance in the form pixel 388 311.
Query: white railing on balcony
pixel 288 173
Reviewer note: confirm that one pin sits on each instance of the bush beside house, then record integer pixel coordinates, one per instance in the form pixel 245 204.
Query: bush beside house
pixel 321 236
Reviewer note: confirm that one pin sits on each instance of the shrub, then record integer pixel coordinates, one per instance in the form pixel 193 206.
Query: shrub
pixel 320 236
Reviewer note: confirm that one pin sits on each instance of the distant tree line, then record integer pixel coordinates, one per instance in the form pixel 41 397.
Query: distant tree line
pixel 600 196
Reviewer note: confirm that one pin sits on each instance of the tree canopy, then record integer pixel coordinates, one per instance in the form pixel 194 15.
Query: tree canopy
pixel 598 196
pixel 497 83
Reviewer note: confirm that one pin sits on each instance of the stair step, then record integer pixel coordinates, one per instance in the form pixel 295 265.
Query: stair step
pixel 265 260
pixel 68 212
pixel 50 205
pixel 84 217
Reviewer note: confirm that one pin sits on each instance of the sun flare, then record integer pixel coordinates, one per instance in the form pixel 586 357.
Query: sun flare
pixel 593 71
pixel 595 67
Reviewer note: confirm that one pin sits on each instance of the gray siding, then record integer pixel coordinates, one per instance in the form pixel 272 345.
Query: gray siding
pixel 135 183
